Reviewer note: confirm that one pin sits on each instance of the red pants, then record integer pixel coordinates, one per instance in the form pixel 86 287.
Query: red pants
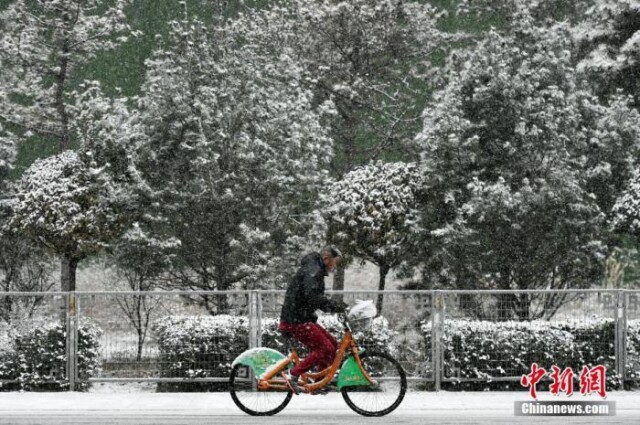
pixel 322 344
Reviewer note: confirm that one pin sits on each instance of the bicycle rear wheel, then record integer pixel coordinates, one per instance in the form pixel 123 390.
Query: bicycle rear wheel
pixel 251 400
pixel 384 397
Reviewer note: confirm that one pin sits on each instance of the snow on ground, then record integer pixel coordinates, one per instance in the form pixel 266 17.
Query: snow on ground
pixel 416 404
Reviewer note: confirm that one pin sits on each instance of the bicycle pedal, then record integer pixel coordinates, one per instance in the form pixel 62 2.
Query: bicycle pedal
pixel 321 391
pixel 292 384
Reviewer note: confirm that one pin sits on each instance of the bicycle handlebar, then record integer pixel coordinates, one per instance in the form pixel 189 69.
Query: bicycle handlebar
pixel 344 320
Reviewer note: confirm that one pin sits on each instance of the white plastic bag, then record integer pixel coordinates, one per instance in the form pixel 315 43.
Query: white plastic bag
pixel 364 309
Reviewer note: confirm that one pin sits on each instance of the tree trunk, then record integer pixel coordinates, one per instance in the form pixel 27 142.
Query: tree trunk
pixel 350 148
pixel 524 311
pixel 141 337
pixel 506 307
pixel 345 140
pixel 472 305
pixel 138 325
pixel 69 265
pixel 338 281
pixel 506 302
pixel 61 106
pixel 338 278
pixel 7 302
pixel 7 307
pixel 222 306
pixel 384 270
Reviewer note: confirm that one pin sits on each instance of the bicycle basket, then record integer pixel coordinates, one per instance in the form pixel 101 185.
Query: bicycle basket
pixel 361 325
pixel 361 315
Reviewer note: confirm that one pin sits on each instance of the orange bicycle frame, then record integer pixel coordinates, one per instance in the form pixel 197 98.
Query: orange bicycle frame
pixel 271 380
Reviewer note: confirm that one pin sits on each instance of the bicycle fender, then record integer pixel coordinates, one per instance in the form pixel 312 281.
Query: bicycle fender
pixel 259 359
pixel 351 375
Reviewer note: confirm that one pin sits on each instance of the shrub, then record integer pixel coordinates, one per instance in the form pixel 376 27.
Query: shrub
pixel 486 350
pixel 633 350
pixel 199 347
pixel 8 371
pixel 38 360
pixel 595 343
pixel 483 351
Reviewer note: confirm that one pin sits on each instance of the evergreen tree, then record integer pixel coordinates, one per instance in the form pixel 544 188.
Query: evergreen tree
pixel 7 157
pixel 372 58
pixel 605 34
pixel 230 145
pixel 523 162
pixel 24 266
pixel 608 40
pixel 371 214
pixel 42 46
pixel 68 207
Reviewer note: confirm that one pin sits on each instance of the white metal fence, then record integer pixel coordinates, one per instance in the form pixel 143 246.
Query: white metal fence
pixel 431 332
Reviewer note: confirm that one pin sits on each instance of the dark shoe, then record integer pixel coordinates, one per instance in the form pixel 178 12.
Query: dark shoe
pixel 329 388
pixel 321 391
pixel 292 383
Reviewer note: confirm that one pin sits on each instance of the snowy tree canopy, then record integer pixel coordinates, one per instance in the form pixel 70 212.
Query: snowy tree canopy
pixel 371 213
pixel 626 211
pixel 372 210
pixel 66 206
pixel 7 155
pixel 371 58
pixel 543 11
pixel 522 160
pixel 231 144
pixel 609 43
pixel 42 44
pixel 104 129
pixel 24 266
pixel 605 34
pixel 515 108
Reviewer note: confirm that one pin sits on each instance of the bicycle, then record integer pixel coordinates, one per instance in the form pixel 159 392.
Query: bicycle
pixel 371 383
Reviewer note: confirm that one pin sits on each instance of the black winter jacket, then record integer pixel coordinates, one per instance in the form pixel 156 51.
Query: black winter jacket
pixel 305 293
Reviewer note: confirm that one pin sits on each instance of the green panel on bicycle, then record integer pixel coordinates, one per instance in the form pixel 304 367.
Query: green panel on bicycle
pixel 351 375
pixel 259 359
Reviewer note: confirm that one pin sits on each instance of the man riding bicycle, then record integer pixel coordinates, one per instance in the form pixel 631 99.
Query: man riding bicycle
pixel 305 295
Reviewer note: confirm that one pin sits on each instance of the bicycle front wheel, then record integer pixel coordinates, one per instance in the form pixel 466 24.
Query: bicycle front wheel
pixel 246 395
pixel 383 397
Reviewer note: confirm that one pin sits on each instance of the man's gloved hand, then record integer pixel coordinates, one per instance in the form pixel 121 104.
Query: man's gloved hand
pixel 341 306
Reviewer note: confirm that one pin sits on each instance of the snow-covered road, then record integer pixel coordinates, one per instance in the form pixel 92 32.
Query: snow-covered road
pixel 209 408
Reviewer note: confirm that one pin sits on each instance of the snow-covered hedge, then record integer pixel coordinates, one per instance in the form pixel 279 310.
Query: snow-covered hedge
pixel 37 358
pixel 487 350
pixel 205 346
pixel 8 370
pixel 199 347
pixel 633 350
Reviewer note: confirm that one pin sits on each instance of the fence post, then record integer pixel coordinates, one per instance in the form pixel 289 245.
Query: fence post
pixel 259 321
pixel 76 339
pixel 621 335
pixel 254 321
pixel 71 331
pixel 436 339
